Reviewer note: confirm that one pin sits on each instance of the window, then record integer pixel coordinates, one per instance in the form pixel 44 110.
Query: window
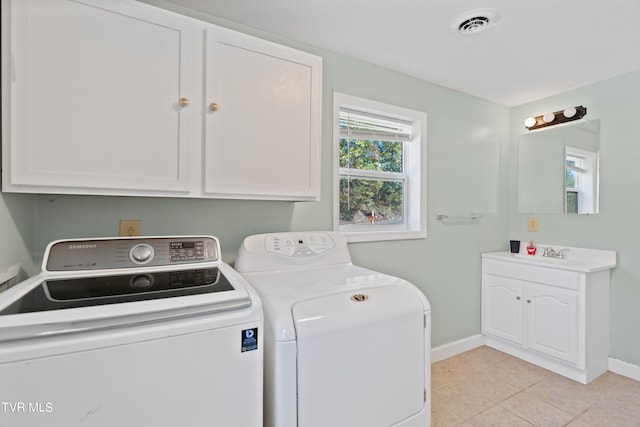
pixel 573 183
pixel 380 163
pixel 581 182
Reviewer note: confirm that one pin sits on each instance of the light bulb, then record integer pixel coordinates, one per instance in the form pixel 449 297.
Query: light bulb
pixel 548 118
pixel 530 122
pixel 569 112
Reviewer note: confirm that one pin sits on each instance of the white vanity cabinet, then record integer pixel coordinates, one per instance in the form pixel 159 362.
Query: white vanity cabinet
pixel 121 98
pixel 553 313
pixel 549 313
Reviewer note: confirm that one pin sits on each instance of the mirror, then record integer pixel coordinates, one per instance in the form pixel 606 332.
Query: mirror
pixel 558 169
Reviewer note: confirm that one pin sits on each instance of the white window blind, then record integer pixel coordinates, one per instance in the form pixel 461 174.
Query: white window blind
pixel 361 125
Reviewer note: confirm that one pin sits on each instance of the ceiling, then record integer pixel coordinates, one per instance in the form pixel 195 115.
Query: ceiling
pixel 537 48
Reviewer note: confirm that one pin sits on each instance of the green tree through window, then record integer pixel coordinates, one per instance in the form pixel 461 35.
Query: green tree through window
pixel 371 200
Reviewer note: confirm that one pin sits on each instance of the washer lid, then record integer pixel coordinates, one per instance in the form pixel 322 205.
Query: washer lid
pixel 63 293
pixel 46 306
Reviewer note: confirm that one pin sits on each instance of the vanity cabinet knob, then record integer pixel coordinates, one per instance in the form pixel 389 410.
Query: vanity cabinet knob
pixel 213 107
pixel 184 102
pixel 529 301
pixel 518 298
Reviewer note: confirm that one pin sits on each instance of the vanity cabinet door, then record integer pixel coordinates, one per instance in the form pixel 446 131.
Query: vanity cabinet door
pixel 262 119
pixel 552 322
pixel 502 300
pixel 95 91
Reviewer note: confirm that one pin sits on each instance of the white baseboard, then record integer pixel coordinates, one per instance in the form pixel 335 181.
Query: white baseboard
pixel 456 347
pixel 623 368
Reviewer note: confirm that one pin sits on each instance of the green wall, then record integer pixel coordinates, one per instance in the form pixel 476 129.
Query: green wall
pixel 467 153
pixel 471 168
pixel 616 102
pixel 17 233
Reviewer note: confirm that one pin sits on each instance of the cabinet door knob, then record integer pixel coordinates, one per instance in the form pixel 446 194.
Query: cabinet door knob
pixel 518 298
pixel 213 106
pixel 184 102
pixel 529 301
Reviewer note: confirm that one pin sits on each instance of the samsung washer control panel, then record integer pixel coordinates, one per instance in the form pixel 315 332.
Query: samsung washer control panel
pixel 98 254
pixel 298 245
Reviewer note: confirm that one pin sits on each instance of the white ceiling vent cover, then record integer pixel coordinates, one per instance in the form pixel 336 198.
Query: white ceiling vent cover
pixel 475 21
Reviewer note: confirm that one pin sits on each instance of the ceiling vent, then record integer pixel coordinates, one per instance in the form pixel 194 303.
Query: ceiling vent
pixel 475 21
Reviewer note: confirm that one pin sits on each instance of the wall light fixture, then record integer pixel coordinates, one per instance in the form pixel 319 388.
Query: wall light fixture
pixel 563 116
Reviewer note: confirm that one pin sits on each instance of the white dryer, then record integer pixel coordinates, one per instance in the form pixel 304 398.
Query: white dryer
pixel 144 331
pixel 344 345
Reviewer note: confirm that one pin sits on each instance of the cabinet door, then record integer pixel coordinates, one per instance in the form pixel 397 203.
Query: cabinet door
pixel 95 89
pixel 552 322
pixel 502 314
pixel 263 139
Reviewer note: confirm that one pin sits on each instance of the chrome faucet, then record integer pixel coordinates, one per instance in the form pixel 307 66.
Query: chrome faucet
pixel 551 253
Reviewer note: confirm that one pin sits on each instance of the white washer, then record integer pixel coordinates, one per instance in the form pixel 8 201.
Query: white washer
pixel 344 345
pixel 148 331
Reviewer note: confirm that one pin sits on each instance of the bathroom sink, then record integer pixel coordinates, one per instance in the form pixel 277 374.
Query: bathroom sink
pixel 576 259
pixel 540 258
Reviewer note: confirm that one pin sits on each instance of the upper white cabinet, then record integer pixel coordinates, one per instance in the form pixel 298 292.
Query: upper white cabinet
pixel 262 133
pixel 94 90
pixel 118 97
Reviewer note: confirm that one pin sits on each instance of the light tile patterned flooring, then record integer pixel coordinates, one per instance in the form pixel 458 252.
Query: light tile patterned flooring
pixel 485 387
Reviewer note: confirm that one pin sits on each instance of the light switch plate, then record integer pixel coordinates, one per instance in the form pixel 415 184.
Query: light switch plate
pixel 533 224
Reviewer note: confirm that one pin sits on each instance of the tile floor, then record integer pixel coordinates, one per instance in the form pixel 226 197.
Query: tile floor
pixel 485 387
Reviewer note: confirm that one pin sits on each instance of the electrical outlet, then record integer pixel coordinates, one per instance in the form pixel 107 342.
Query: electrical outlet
pixel 533 224
pixel 130 227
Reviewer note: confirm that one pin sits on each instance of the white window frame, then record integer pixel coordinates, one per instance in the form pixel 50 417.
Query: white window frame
pixel 415 171
pixel 586 179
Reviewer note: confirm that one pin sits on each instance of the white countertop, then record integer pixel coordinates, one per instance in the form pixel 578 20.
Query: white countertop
pixel 576 259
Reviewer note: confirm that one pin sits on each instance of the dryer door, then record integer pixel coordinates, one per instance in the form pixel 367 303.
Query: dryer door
pixel 361 357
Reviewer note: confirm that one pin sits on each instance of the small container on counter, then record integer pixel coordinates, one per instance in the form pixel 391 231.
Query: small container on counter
pixel 531 248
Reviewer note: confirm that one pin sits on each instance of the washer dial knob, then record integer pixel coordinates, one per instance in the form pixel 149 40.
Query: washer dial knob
pixel 141 253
